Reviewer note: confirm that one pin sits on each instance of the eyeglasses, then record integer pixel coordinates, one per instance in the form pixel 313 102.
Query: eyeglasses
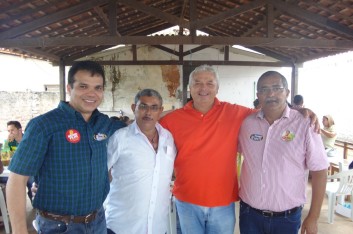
pixel 144 107
pixel 270 90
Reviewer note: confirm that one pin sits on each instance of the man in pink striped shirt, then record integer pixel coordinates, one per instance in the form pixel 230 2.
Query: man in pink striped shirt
pixel 279 148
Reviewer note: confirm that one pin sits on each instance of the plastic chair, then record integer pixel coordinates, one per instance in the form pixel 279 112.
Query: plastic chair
pixel 4 213
pixel 340 188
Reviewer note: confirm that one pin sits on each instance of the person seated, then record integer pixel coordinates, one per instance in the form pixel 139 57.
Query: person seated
pixel 14 138
pixel 329 135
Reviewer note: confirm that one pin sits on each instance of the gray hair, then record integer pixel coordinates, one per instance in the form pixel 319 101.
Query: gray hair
pixel 203 68
pixel 273 73
pixel 148 93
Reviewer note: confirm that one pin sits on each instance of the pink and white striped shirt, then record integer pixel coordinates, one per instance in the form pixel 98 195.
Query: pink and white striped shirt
pixel 277 158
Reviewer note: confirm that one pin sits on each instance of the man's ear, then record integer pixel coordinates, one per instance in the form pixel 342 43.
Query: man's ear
pixel 288 92
pixel 133 107
pixel 68 89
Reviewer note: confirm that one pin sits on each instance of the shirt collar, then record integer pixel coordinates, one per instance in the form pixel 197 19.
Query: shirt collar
pixel 136 129
pixel 285 114
pixel 73 113
pixel 190 104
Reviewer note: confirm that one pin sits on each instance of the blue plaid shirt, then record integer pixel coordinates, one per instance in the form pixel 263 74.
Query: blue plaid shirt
pixel 68 158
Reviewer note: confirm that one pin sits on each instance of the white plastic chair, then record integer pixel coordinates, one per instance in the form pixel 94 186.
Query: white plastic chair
pixel 339 188
pixel 5 217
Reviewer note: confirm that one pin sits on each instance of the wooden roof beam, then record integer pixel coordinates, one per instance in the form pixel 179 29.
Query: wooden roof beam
pixel 178 40
pixel 315 19
pixel 52 18
pixel 156 13
pixel 199 24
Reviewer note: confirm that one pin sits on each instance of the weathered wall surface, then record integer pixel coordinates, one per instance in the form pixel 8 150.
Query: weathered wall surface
pixel 123 82
pixel 23 106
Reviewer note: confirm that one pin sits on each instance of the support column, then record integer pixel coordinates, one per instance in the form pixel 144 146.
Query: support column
pixel 294 82
pixel 62 83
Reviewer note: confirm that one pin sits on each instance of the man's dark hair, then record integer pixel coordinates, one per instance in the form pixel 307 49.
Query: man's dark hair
pixel 14 123
pixel 273 73
pixel 256 102
pixel 91 66
pixel 298 99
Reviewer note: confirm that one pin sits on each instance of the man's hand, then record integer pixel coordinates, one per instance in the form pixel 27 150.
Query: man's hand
pixel 309 226
pixel 313 118
pixel 10 138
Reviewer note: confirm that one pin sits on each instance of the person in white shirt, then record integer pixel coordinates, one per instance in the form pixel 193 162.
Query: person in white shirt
pixel 141 158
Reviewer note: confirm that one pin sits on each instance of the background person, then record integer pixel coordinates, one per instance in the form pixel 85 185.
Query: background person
pixel 329 135
pixel 279 147
pixel 14 138
pixel 66 150
pixel 14 129
pixel 141 157
pixel 256 104
pixel 298 102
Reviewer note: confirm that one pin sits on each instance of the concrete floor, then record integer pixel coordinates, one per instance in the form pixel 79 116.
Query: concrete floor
pixel 341 225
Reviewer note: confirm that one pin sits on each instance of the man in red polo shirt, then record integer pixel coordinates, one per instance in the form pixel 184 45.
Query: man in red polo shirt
pixel 205 132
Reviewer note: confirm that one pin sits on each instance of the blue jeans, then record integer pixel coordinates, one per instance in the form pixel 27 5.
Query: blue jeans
pixel 253 222
pixel 97 226
pixel 196 219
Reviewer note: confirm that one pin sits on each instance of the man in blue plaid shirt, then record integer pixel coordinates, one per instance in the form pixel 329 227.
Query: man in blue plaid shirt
pixel 66 150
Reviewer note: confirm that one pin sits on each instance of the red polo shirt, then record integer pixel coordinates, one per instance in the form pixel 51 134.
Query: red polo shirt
pixel 205 166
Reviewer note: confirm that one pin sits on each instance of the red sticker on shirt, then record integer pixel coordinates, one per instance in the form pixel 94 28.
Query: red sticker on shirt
pixel 73 136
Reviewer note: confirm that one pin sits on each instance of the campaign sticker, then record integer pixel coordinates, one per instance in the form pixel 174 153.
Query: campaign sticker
pixel 73 136
pixel 256 137
pixel 100 136
pixel 287 135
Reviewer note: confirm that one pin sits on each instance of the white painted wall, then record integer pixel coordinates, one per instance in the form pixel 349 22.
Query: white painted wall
pixel 238 84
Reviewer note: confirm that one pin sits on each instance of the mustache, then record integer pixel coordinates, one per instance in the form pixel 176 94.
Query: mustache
pixel 147 118
pixel 269 100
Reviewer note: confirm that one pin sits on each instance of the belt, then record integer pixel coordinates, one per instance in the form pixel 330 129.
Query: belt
pixel 268 213
pixel 69 218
